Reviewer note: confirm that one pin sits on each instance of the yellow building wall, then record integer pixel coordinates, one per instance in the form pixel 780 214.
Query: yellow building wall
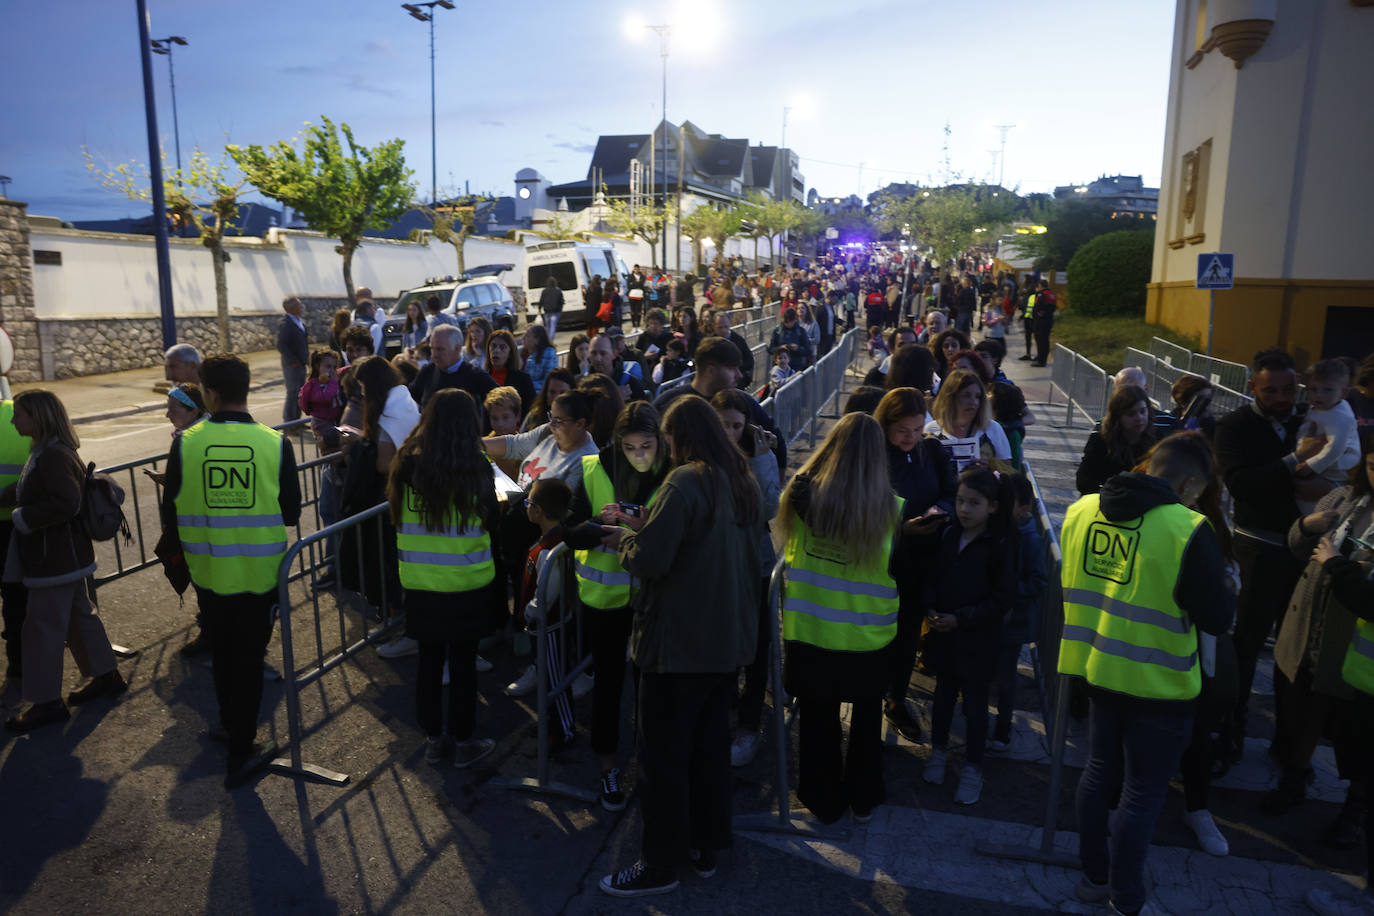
pixel 1258 313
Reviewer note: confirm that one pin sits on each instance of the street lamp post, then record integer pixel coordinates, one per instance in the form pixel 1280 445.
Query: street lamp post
pixel 163 46
pixel 664 32
pixel 415 13
pixel 162 248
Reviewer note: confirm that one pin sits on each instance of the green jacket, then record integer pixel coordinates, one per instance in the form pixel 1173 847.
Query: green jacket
pixel 697 610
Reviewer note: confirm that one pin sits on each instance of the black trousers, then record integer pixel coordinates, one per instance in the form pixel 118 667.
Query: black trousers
pixel 830 778
pixel 1030 334
pixel 16 607
pixel 1042 340
pixel 239 628
pixel 902 652
pixel 607 633
pixel 1268 575
pixel 757 672
pixel 461 656
pixel 684 764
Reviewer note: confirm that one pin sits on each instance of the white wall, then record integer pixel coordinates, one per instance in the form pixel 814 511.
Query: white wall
pixel 107 274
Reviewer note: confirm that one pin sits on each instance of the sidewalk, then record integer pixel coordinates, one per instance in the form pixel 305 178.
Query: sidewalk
pixel 121 394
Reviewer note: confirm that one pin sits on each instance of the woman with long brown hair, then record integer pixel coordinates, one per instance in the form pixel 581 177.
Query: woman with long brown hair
pixel 695 623
pixel 1126 434
pixel 443 504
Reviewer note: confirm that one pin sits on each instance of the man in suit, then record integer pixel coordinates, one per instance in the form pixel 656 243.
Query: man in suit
pixel 1258 452
pixel 294 347
pixel 448 369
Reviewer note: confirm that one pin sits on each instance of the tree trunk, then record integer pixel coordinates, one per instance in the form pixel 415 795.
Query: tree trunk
pixel 221 296
pixel 462 242
pixel 756 252
pixel 347 249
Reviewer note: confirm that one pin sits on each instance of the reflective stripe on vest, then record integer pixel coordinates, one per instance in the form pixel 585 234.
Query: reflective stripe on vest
pixel 1123 630
pixel 230 474
pixel 601 581
pixel 832 602
pixel 454 558
pixel 14 453
pixel 1358 668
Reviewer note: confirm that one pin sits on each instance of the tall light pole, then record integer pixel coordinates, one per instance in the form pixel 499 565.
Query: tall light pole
pixel 665 34
pixel 164 259
pixel 163 46
pixel 415 13
pixel 1002 156
pixel 786 110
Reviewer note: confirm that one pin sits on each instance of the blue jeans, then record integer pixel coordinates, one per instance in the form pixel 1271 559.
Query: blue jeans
pixel 1135 748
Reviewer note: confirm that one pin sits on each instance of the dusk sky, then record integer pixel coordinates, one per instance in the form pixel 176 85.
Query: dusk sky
pixel 533 83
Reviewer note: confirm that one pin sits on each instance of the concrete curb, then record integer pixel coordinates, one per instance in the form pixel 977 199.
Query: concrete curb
pixel 150 405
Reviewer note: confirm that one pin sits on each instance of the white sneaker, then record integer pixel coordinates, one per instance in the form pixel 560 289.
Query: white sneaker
pixel 524 685
pixel 934 773
pixel 399 647
pixel 970 785
pixel 1208 836
pixel 582 686
pixel 483 666
pixel 1328 903
pixel 743 749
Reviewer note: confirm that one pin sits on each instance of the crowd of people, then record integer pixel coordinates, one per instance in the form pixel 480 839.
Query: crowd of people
pixel 908 537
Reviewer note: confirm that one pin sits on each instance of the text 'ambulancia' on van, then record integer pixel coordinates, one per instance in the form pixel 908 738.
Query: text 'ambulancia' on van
pixel 572 266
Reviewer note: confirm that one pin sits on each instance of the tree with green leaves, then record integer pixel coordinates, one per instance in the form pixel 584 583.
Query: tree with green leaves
pixel 647 221
pixel 1069 225
pixel 754 221
pixel 341 188
pixel 708 222
pixel 453 221
pixel 943 218
pixel 204 195
pixel 560 226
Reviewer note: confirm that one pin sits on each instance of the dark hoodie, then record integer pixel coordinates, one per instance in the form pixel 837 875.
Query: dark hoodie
pixel 1201 590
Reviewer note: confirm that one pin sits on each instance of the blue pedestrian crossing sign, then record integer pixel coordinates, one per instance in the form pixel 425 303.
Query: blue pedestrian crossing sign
pixel 1216 270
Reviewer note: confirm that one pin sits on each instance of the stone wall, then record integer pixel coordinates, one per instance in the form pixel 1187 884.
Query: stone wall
pixel 16 290
pixel 89 346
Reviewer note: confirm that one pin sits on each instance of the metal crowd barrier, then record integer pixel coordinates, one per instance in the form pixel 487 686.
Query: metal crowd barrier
pixel 544 691
pixel 1054 694
pixel 798 405
pixel 784 822
pixel 1083 383
pixel 337 638
pixel 1171 353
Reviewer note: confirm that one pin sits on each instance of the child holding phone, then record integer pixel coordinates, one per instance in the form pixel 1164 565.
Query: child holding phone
pixel 972 592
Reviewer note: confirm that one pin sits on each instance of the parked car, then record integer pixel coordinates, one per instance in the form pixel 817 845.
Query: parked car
pixel 572 266
pixel 477 292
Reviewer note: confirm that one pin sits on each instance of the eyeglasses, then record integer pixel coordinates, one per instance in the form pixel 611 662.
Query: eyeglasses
pixel 557 422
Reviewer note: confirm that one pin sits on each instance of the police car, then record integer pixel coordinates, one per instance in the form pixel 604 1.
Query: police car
pixel 476 292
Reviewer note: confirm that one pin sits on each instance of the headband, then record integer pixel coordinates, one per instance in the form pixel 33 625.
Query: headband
pixel 183 397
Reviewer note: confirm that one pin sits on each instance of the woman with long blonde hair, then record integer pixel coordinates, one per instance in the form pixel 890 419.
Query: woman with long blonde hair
pixel 961 418
pixel 840 520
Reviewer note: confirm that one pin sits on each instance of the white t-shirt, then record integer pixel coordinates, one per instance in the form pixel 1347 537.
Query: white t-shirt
pixel 1342 449
pixel 995 436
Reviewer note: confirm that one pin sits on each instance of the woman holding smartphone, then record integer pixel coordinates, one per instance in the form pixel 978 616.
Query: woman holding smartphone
pixel 618 485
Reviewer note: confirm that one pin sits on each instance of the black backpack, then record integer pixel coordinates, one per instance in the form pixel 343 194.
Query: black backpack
pixel 100 514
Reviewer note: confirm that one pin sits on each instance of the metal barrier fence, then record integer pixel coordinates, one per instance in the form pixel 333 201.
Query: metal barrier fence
pixel 1083 383
pixel 544 691
pixel 1171 353
pixel 798 405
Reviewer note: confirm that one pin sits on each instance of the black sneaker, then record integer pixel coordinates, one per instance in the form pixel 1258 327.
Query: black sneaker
pixel 197 646
pixel 612 796
pixel 899 716
pixel 1346 831
pixel 640 880
pixel 1288 794
pixel 703 862
pixel 242 767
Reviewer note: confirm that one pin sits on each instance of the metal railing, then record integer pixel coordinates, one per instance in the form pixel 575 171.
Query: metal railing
pixel 798 406
pixel 1054 694
pixel 1084 384
pixel 1164 365
pixel 570 614
pixel 1171 353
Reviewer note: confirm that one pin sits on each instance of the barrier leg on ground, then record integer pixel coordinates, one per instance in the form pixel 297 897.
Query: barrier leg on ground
pixel 784 821
pixel 541 783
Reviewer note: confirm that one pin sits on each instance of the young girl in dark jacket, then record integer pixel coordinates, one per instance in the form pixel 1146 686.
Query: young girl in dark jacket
pixel 972 590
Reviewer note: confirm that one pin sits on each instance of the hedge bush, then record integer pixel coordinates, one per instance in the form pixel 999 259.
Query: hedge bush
pixel 1108 274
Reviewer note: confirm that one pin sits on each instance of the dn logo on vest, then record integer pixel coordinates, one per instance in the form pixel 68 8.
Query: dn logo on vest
pixel 1110 552
pixel 229 476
